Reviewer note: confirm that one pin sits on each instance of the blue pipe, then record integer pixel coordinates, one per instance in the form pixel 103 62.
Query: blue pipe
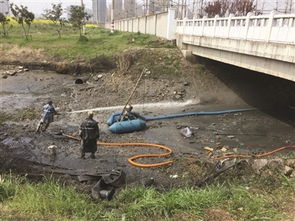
pixel 196 113
pixel 115 116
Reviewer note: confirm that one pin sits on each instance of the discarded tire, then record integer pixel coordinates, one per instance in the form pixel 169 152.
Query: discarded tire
pixel 116 178
pixel 105 187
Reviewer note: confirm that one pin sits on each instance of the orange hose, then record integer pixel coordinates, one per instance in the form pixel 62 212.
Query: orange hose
pixel 168 150
pixel 131 160
pixel 253 156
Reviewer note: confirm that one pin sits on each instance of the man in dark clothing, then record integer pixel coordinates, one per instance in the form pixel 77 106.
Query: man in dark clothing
pixel 89 133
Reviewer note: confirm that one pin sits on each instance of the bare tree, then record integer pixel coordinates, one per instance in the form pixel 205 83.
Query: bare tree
pixel 78 17
pixel 4 22
pixel 24 17
pixel 223 7
pixel 217 7
pixel 54 14
pixel 242 7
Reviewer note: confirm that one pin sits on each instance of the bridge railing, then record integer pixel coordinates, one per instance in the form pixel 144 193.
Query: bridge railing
pixel 270 28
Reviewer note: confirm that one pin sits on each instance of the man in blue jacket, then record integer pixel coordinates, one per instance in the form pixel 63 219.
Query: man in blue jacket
pixel 47 116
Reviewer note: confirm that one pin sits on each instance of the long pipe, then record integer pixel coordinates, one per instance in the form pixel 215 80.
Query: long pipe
pixel 196 113
pixel 162 117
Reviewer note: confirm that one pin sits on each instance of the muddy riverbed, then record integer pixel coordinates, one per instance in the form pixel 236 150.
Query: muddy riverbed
pixel 23 94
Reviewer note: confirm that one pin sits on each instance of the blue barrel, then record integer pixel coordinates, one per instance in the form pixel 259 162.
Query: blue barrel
pixel 127 126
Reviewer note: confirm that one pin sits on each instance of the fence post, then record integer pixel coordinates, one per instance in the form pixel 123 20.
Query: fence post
pixel 132 24
pixel 171 24
pixel 247 25
pixel 145 23
pixel 269 26
pixel 156 20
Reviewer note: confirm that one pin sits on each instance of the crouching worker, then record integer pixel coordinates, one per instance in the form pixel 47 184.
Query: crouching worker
pixel 89 133
pixel 47 116
pixel 128 114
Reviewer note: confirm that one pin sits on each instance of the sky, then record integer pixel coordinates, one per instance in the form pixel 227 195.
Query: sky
pixel 38 6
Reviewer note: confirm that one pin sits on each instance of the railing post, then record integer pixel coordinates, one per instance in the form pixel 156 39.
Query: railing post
pixel 229 24
pixel 193 29
pixel 247 25
pixel 184 24
pixel 269 26
pixel 215 22
pixel 203 25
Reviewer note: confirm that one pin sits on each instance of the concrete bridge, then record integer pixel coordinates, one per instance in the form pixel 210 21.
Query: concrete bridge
pixel 261 43
pixel 264 43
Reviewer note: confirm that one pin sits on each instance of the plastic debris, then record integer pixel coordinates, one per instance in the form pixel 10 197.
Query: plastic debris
pixel 223 149
pixel 208 148
pixel 187 132
pixel 174 176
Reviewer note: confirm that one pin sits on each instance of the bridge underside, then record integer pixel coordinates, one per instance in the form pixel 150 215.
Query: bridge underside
pixel 247 59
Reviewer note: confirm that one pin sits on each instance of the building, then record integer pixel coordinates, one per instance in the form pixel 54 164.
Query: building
pixel 99 10
pixel 4 7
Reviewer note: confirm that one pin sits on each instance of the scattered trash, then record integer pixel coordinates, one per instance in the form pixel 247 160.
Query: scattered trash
pixel 174 176
pixel 230 136
pixel 79 81
pixel 105 187
pixel 288 171
pixel 149 182
pixel 186 132
pixel 223 149
pixel 208 148
pixel 52 151
pixel 52 147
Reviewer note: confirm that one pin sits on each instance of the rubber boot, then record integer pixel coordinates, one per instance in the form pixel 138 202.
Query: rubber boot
pixel 92 156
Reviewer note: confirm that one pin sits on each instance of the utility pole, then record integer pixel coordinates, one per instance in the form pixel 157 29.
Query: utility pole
pixel 83 27
pixel 147 5
pixel 112 16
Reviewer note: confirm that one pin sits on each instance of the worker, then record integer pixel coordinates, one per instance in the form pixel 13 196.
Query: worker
pixel 89 133
pixel 128 114
pixel 47 116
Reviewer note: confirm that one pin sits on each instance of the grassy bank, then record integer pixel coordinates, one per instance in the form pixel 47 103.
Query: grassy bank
pixel 51 200
pixel 98 41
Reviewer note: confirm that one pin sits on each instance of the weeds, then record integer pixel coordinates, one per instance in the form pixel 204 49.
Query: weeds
pixel 97 41
pixel 4 117
pixel 52 200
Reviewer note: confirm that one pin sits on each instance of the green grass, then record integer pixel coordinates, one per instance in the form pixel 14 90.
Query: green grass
pixel 99 41
pixel 52 200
